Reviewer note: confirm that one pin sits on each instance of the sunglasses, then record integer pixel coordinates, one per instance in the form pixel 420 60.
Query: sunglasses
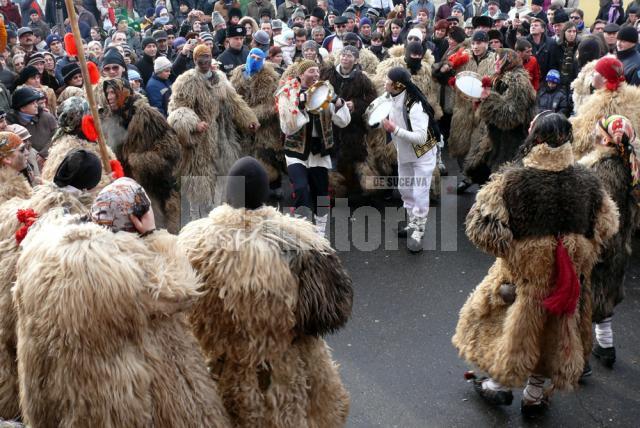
pixel 111 68
pixel 341 25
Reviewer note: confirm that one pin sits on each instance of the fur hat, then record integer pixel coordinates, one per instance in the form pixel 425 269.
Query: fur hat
pixel 588 50
pixel 318 13
pixel 234 12
pixel 236 31
pixel 161 64
pixel 482 21
pixel 201 50
pixel 305 65
pixel 612 70
pixel 80 169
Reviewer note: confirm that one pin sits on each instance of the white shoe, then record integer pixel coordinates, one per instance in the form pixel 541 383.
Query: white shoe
pixel 414 241
pixel 321 224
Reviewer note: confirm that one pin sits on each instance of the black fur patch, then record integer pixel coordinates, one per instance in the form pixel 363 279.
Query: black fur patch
pixel 542 203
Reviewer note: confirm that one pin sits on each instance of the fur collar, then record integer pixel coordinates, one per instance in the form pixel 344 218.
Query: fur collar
pixel 599 153
pixel 549 159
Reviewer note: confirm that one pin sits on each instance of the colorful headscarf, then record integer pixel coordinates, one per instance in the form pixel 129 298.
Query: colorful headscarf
pixel 8 143
pixel 116 202
pixel 72 111
pixel 123 91
pixel 617 131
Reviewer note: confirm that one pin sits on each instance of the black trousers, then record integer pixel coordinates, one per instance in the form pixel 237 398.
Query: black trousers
pixel 308 184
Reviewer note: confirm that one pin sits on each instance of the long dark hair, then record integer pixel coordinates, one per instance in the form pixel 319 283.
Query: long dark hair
pixel 552 129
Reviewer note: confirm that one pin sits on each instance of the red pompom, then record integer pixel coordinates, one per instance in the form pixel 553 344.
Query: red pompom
pixel 70 45
pixel 25 215
pixel 88 128
pixel 21 234
pixel 116 169
pixel 94 73
pixel 564 298
pixel 452 81
pixel 486 81
pixel 459 58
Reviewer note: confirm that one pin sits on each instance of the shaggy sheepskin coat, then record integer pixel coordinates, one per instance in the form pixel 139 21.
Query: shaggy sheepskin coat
pixel 44 199
pixel 603 103
pixel 351 141
pixel 272 289
pixel 102 335
pixel 467 127
pixel 607 278
pixel 517 217
pixel 13 184
pixel 149 152
pixel 59 149
pixel 581 86
pixel 195 99
pixel 506 113
pixel 259 94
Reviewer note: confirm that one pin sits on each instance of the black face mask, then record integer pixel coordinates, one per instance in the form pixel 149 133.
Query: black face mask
pixel 414 64
pixel 376 49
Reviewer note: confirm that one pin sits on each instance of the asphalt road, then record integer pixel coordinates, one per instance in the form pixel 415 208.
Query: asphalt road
pixel 396 356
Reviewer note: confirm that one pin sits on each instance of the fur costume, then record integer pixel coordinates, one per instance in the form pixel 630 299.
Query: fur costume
pixel 60 147
pixel 272 289
pixel 149 152
pixel 581 86
pixel 512 341
pixel 351 169
pixel 44 199
pixel 367 60
pixel 607 278
pixel 195 99
pixel 506 113
pixel 123 357
pixel 603 103
pixel 467 127
pixel 259 94
pixel 13 184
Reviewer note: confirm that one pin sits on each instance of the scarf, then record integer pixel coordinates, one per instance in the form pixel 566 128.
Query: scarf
pixel 617 131
pixel 614 13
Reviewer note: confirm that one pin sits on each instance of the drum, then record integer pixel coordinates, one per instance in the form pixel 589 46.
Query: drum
pixel 469 85
pixel 319 96
pixel 378 110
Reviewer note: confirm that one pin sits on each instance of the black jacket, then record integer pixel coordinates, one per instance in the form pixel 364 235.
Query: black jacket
pixel 554 100
pixel 631 61
pixel 231 59
pixel 145 66
pixel 542 52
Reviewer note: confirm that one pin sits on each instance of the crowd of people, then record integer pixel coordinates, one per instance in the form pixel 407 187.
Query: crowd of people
pixel 218 321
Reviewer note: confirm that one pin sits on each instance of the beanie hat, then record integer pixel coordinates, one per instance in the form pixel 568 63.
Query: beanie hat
pixel 19 130
pixel 80 169
pixel 495 35
pixel 205 36
pixel 365 21
pixel 318 13
pixel 353 50
pixel 179 42
pixel 537 2
pixel 216 19
pixel 70 70
pixel 399 75
pixel 234 12
pixel 588 50
pixel 8 143
pixel 35 58
pixel 117 201
pixel 415 33
pixel 310 44
pixel 628 34
pixel 27 73
pixel 160 64
pixel 200 50
pixel 480 36
pixel 247 185
pixel 148 41
pixel 133 75
pixel 457 34
pixel 305 65
pixel 149 12
pixel 53 38
pixel 113 56
pixel 159 35
pixel 261 37
pixel 612 70
pixel 553 76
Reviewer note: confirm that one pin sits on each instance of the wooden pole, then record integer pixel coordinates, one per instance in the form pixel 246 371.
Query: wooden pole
pixel 88 88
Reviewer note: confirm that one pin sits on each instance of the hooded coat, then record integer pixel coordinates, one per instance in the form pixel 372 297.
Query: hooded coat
pixel 607 278
pixel 108 308
pixel 44 199
pixel 210 153
pixel 149 152
pixel 517 217
pixel 603 103
pixel 272 288
pixel 266 145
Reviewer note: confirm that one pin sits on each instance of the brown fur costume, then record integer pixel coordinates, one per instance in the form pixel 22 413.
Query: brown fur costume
pixel 102 338
pixel 603 103
pixel 272 287
pixel 512 341
pixel 367 60
pixel 13 184
pixel 149 152
pixel 581 86
pixel 194 98
pixel 59 149
pixel 259 94
pixel 607 279
pixel 44 199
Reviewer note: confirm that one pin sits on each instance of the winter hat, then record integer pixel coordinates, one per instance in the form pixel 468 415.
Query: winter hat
pixel 265 11
pixel 159 10
pixel 113 56
pixel 27 73
pixel 310 44
pixel 20 131
pixel 149 12
pixel 482 21
pixel 8 143
pixel 53 38
pixel 161 64
pixel 179 42
pixel 318 13
pixel 415 33
pixel 201 50
pixel 468 23
pixel 35 58
pixel 353 50
pixel 117 201
pixel 588 50
pixel 70 70
pixel 306 64
pixel 72 111
pixel 537 2
pixel 216 19
pixel 612 70
pixel 414 48
pixel 400 77
pixel 560 17
pixel 495 35
pixel 159 35
pixel 298 13
pixel 80 169
pixel 276 24
pixel 247 185
pixel 480 36
pixel 205 36
pixel 236 31
pixel 133 75
pixel 457 7
pixel 457 34
pixel 365 21
pixel 441 24
pixel 553 76
pixel 23 96
pixel 148 41
pixel 261 37
pixel 627 34
pixel 234 12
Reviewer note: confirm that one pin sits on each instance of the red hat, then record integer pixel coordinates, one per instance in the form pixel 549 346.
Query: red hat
pixel 612 70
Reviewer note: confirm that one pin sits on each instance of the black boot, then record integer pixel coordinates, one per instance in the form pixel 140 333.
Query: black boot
pixel 496 398
pixel 607 356
pixel 463 186
pixel 586 372
pixel 534 410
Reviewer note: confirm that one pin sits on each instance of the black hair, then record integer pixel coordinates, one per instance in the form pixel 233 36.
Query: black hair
pixel 552 129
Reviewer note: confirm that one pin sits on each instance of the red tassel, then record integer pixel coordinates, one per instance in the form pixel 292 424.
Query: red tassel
pixel 452 81
pixel 564 298
pixel 70 45
pixel 486 81
pixel 459 59
pixel 88 128
pixel 94 73
pixel 116 169
pixel 27 217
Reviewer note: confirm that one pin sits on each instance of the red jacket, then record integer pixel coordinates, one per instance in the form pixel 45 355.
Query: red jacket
pixel 534 72
pixel 12 13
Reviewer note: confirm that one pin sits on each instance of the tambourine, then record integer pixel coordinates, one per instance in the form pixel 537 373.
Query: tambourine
pixel 469 85
pixel 319 96
pixel 378 110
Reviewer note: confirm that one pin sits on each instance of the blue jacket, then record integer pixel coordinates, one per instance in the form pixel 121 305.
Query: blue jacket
pixel 158 92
